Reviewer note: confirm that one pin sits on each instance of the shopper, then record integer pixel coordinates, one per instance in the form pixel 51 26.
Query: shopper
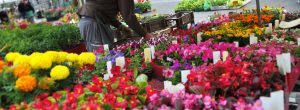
pixel 98 15
pixel 4 17
pixel 26 10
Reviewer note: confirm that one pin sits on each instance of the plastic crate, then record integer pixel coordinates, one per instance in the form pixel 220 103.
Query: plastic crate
pixel 181 18
pixel 156 25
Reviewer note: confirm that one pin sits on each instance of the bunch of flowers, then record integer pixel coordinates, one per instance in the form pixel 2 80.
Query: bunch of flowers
pixel 182 100
pixel 29 75
pixel 252 19
pixel 292 15
pixel 232 31
pixel 288 36
pixel 123 91
pixel 269 11
pixel 185 57
pixel 70 18
pixel 201 27
pixel 240 79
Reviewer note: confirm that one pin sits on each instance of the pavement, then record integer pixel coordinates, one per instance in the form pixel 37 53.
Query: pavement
pixel 168 7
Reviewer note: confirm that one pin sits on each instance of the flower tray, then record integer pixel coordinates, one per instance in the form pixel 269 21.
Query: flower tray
pixel 214 8
pixel 181 19
pixel 155 25
pixel 79 48
pixel 157 71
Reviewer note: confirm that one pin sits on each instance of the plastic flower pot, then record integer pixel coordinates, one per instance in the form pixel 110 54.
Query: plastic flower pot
pixel 157 71
pixel 79 48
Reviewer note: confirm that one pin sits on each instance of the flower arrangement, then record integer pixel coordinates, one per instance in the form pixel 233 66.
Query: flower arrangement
pixel 30 75
pixel 70 18
pixel 123 91
pixel 182 100
pixel 232 31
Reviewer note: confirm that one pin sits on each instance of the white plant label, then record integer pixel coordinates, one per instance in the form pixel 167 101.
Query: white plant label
pixel 147 55
pixel 199 38
pixel 236 44
pixel 106 47
pixel 276 24
pixel 184 74
pixel 225 55
pixel 216 56
pixel 287 62
pixel 152 52
pixel 253 39
pixel 298 40
pixel 174 42
pixel 120 61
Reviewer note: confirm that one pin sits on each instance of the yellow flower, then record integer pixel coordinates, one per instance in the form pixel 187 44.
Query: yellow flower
pixel 22 70
pixel 26 83
pixel 53 55
pixel 10 57
pixel 72 57
pixel 36 54
pixel 62 57
pixel 22 59
pixel 87 58
pixel 46 83
pixel 41 62
pixel 59 72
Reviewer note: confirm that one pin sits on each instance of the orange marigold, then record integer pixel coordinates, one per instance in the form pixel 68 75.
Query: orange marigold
pixel 26 83
pixel 46 83
pixel 2 65
pixel 22 70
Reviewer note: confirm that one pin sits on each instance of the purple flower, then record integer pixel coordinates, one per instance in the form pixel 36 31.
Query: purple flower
pixel 176 65
pixel 187 66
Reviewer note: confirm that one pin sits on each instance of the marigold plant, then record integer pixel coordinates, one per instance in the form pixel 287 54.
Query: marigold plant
pixel 26 83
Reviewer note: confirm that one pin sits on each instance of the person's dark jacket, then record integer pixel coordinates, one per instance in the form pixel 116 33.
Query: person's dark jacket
pixel 23 8
pixel 3 17
pixel 108 9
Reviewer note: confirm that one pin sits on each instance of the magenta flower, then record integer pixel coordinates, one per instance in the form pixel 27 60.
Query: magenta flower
pixel 168 73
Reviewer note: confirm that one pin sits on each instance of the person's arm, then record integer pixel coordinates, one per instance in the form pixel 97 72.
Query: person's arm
pixel 20 8
pixel 126 8
pixel 31 7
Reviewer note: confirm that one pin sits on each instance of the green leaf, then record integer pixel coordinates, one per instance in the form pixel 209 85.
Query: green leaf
pixel 107 107
pixel 115 85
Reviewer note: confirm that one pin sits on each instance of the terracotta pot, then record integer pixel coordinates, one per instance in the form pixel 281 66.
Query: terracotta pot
pixel 79 48
pixel 157 71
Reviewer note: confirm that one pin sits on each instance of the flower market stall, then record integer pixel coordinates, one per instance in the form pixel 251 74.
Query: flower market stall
pixel 221 64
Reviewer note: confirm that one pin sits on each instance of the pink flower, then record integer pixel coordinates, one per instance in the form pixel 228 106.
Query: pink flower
pixel 207 101
pixel 168 73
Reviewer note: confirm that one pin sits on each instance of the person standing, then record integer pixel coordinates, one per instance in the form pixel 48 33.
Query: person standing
pixel 4 17
pixel 26 10
pixel 98 15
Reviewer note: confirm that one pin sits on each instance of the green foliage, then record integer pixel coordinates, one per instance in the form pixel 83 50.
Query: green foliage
pixel 143 6
pixel 40 37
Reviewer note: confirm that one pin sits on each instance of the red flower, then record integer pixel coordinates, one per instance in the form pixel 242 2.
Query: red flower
pixel 42 96
pixel 56 96
pixel 278 86
pixel 127 62
pixel 129 73
pixel 109 99
pixel 122 104
pixel 95 88
pixel 225 80
pixel 124 79
pixel 133 102
pixel 78 89
pixel 71 98
pixel 131 90
pixel 96 81
pixel 13 107
pixel 264 85
pixel 150 91
pixel 92 99
pixel 116 71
